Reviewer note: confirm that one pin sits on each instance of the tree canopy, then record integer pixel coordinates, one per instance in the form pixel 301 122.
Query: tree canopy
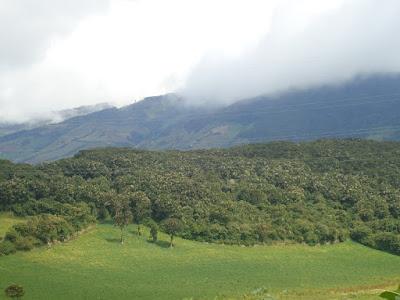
pixel 314 192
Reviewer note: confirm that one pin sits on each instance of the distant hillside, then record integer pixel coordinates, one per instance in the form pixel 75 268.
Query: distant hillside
pixel 367 107
pixel 50 118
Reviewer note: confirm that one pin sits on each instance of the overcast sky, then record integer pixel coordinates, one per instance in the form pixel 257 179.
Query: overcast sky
pixel 57 54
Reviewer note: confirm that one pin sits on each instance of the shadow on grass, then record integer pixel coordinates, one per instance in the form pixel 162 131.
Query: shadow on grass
pixel 113 240
pixel 134 232
pixel 162 244
pixel 107 222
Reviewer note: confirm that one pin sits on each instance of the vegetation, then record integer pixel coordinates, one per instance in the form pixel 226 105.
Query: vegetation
pixel 365 107
pixel 123 215
pixel 146 270
pixel 153 231
pixel 8 220
pixel 391 295
pixel 14 291
pixel 315 193
pixel 50 222
pixel 172 226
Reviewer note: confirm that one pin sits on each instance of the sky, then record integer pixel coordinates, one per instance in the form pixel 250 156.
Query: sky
pixel 57 54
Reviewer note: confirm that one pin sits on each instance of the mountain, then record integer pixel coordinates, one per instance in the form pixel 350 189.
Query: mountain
pixel 52 117
pixel 366 107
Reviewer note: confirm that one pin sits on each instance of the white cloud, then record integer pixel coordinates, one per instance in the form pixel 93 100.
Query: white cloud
pixel 327 46
pixel 135 49
pixel 62 54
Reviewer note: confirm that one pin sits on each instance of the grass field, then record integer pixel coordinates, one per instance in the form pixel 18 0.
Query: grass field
pixel 96 266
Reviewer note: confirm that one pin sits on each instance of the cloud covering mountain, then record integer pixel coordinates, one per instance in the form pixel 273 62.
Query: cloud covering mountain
pixel 355 37
pixel 57 54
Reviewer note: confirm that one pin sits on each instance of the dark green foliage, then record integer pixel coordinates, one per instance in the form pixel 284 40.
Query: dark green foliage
pixel 388 241
pixel 7 247
pixel 153 230
pixel 103 214
pixel 389 295
pixel 141 207
pixel 172 226
pixel 315 193
pixel 14 291
pixel 122 214
pixel 52 221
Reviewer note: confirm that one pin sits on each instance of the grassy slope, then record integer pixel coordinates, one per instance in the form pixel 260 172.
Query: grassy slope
pixel 96 266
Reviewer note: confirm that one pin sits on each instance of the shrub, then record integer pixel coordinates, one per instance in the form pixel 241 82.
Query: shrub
pixel 14 291
pixel 154 231
pixel 388 241
pixel 362 234
pixel 26 243
pixel 103 214
pixel 11 236
pixel 52 228
pixel 6 248
pixel 172 226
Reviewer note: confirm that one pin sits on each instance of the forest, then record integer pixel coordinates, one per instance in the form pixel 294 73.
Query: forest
pixel 319 192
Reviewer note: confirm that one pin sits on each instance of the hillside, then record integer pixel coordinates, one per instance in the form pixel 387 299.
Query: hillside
pixel 50 118
pixel 367 107
pixel 274 216
pixel 316 193
pixel 143 270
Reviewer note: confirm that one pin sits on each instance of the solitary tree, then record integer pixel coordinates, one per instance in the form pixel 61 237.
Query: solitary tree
pixel 123 214
pixel 172 226
pixel 141 206
pixel 14 291
pixel 153 230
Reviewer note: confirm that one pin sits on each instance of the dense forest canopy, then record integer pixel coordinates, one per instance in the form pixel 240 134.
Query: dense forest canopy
pixel 313 192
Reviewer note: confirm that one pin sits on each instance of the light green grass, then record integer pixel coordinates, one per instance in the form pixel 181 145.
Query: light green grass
pixel 96 266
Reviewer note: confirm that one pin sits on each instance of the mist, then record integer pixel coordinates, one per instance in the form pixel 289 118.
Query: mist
pixel 357 37
pixel 56 55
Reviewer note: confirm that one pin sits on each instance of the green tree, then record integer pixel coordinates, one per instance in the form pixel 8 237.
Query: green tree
pixel 153 230
pixel 15 291
pixel 172 226
pixel 123 214
pixel 141 208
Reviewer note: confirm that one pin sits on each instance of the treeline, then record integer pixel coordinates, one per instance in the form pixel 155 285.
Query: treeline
pixel 50 222
pixel 317 192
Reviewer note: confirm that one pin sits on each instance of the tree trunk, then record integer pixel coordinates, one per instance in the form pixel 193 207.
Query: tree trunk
pixel 171 244
pixel 138 230
pixel 122 236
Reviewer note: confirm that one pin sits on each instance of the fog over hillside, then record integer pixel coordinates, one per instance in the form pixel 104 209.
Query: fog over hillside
pixel 67 54
pixel 329 48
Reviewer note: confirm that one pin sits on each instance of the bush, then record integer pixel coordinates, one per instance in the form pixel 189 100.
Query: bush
pixel 263 232
pixel 26 243
pixel 362 234
pixel 154 231
pixel 6 248
pixel 103 214
pixel 388 242
pixel 51 228
pixel 172 226
pixel 14 291
pixel 11 236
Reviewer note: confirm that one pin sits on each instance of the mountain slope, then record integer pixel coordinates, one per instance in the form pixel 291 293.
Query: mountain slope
pixel 52 117
pixel 367 107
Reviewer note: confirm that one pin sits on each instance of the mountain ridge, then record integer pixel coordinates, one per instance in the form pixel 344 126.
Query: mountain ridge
pixel 366 107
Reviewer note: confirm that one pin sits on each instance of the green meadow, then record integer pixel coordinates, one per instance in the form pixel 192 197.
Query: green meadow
pixel 95 265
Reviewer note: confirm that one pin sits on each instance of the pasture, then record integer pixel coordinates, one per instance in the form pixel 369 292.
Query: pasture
pixel 96 266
